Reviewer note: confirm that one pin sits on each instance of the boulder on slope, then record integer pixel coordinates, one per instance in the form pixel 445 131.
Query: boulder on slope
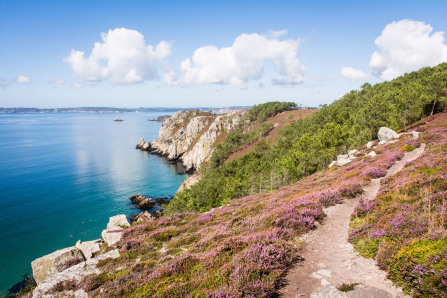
pixel 50 264
pixel 386 134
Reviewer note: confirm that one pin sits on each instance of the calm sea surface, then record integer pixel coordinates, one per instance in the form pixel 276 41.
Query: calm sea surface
pixel 63 175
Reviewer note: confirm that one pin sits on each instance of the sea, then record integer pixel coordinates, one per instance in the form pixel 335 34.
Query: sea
pixel 62 175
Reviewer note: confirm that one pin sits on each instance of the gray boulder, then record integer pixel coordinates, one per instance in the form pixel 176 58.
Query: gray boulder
pixel 88 248
pixel 343 160
pixel 54 262
pixel 118 222
pixel 111 237
pixel 115 228
pixel 386 134
pixel 76 273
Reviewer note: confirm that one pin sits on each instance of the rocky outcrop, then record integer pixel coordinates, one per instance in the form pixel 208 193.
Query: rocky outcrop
pixel 161 118
pixel 114 230
pixel 88 248
pixel 55 262
pixel 143 145
pixel 141 217
pixel 142 202
pixel 75 273
pixel 189 136
pixel 190 181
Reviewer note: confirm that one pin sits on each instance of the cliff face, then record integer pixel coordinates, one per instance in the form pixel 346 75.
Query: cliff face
pixel 189 136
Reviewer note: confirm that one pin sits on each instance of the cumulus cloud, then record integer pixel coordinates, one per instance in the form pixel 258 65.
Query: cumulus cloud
pixel 244 61
pixel 22 80
pixel 57 82
pixel 18 80
pixel 353 74
pixel 406 46
pixel 121 58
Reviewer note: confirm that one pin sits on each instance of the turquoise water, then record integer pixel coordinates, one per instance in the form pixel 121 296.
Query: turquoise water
pixel 63 175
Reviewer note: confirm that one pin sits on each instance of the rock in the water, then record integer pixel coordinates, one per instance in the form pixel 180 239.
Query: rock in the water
pixel 146 145
pixel 386 134
pixel 55 262
pixel 88 248
pixel 142 202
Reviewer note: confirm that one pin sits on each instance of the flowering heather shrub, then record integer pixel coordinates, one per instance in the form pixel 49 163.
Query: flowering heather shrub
pixel 375 172
pixel 351 188
pixel 65 285
pixel 204 218
pixel 363 208
pixel 406 229
pixel 329 198
pixel 422 267
pixel 245 247
pixel 72 262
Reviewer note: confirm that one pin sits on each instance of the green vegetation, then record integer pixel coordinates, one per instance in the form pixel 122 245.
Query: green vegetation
pixel 308 145
pixel 347 287
pixel 264 111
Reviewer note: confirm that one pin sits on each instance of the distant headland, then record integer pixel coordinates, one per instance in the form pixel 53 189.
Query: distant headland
pixel 111 110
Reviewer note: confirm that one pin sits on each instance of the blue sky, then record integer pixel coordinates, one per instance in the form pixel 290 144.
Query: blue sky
pixel 219 53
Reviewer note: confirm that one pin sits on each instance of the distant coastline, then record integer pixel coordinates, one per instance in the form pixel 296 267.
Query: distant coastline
pixel 110 110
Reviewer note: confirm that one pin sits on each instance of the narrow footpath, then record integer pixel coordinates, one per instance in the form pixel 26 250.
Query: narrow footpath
pixel 329 260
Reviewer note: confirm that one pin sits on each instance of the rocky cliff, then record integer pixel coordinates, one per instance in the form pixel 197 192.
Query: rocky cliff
pixel 189 136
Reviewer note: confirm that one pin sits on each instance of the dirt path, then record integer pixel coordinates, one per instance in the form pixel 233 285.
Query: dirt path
pixel 330 260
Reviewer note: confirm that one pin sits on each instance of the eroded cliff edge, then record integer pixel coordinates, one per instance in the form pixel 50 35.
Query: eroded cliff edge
pixel 189 136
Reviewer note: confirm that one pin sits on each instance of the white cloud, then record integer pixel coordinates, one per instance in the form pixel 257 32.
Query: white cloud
pixel 19 80
pixel 353 74
pixel 122 58
pixel 22 80
pixel 406 46
pixel 77 86
pixel 57 82
pixel 244 61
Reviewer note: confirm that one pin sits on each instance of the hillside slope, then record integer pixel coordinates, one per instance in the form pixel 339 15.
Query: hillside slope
pixel 246 246
pixel 310 144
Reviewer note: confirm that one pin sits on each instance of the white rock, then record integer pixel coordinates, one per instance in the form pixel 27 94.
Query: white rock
pixel 89 247
pixel 372 154
pixel 332 164
pixel 52 263
pixel 118 222
pixel 80 294
pixel 343 156
pixel 351 153
pixel 145 145
pixel 343 161
pixel 382 142
pixel 369 144
pixel 387 134
pixel 76 272
pixel 193 144
pixel 111 237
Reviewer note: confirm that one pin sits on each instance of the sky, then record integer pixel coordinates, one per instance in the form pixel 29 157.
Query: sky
pixel 209 53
